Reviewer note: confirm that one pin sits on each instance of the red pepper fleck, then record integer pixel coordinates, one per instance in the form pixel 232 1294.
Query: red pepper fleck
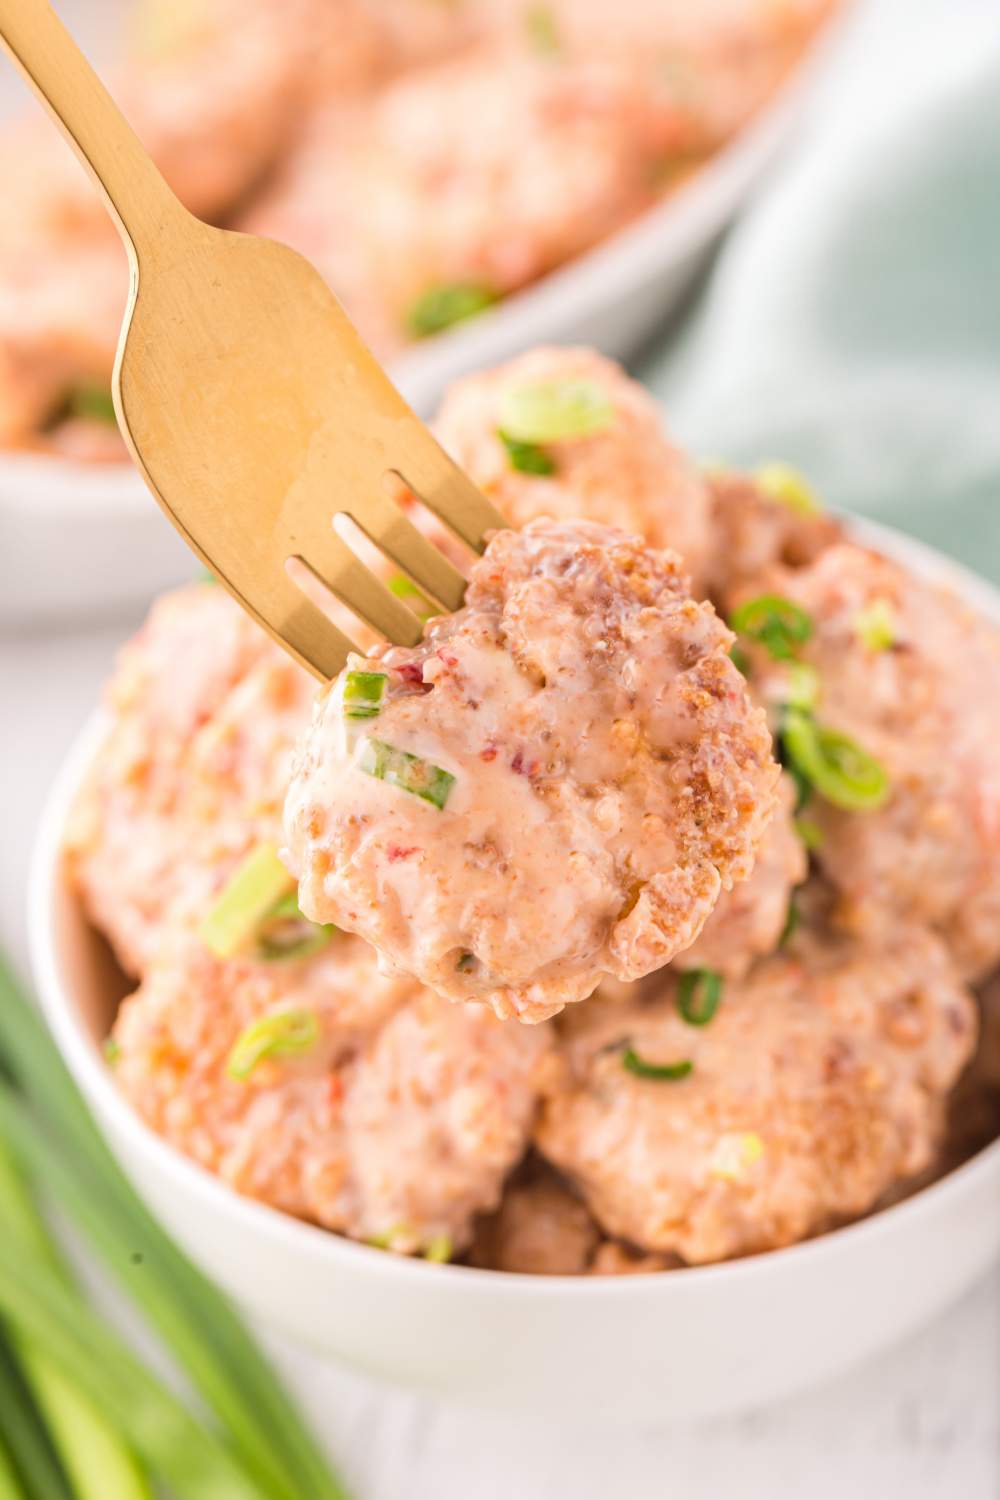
pixel 448 657
pixel 490 753
pixel 335 1091
pixel 413 672
pixel 396 852
pixel 517 764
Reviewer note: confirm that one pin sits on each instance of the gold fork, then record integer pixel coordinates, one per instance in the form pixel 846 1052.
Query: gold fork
pixel 251 406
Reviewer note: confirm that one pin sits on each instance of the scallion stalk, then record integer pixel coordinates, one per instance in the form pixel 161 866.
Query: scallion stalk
pixel 10 1487
pixel 39 1309
pixel 363 694
pixel 248 898
pixel 97 1463
pixel 23 1436
pixel 57 1143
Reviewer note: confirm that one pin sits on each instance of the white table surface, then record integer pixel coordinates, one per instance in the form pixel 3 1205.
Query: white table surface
pixel 920 1423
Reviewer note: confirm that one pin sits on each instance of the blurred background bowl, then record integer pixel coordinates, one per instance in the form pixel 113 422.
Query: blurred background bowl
pixel 115 550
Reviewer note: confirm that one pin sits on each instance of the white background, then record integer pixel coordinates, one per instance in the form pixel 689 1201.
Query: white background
pixel 921 1423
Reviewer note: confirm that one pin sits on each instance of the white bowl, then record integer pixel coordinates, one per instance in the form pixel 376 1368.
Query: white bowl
pixel 631 1349
pixel 78 540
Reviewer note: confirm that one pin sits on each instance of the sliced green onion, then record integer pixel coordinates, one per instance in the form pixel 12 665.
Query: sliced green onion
pixel 250 896
pixel 786 485
pixel 418 601
pixel 543 33
pixel 441 307
pixel 810 833
pixel 803 686
pixel 698 996
pixel 111 1050
pixel 286 935
pixel 408 772
pixel 58 1144
pixel 439 1250
pixel 875 625
pixel 791 926
pixel 662 1072
pixel 527 458
pixel 835 765
pixel 92 403
pixel 363 694
pixel 550 411
pixel 778 623
pixel 284 1033
pixel 385 1239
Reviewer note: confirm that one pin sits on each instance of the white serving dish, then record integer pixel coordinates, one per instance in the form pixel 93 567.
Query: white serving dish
pixel 617 1350
pixel 78 540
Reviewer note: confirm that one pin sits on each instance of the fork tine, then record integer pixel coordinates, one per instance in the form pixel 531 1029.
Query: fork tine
pixel 331 560
pixel 448 492
pixel 300 626
pixel 391 530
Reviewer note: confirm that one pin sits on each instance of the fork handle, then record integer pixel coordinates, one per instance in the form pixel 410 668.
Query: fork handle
pixel 54 66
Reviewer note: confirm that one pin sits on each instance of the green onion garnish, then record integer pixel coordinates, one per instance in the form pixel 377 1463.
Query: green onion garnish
pixel 740 660
pixel 363 694
pixel 662 1072
pixel 91 402
pixel 698 996
pixel 249 898
pixel 791 923
pixel 111 1050
pixel 408 772
pixel 543 34
pixel 835 765
pixel 439 1249
pixel 778 623
pixel 810 833
pixel 549 411
pixel 803 686
pixel 284 1033
pixel 441 307
pixel 418 601
pixel 786 485
pixel 285 934
pixel 527 458
pixel 875 625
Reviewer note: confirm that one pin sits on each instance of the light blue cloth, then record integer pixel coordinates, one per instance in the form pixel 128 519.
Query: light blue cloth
pixel 852 321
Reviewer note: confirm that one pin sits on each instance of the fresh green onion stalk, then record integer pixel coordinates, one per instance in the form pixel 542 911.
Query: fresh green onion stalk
pixel 527 458
pixel 263 1452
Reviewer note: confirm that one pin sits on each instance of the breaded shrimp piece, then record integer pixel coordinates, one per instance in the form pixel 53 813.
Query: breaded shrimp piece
pixel 753 529
pixel 748 921
pixel 555 784
pixel 912 676
pixel 203 711
pixel 625 472
pixel 393 1116
pixel 820 1083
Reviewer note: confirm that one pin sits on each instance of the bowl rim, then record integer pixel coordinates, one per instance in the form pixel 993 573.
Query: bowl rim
pixel 34 482
pixel 82 1057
